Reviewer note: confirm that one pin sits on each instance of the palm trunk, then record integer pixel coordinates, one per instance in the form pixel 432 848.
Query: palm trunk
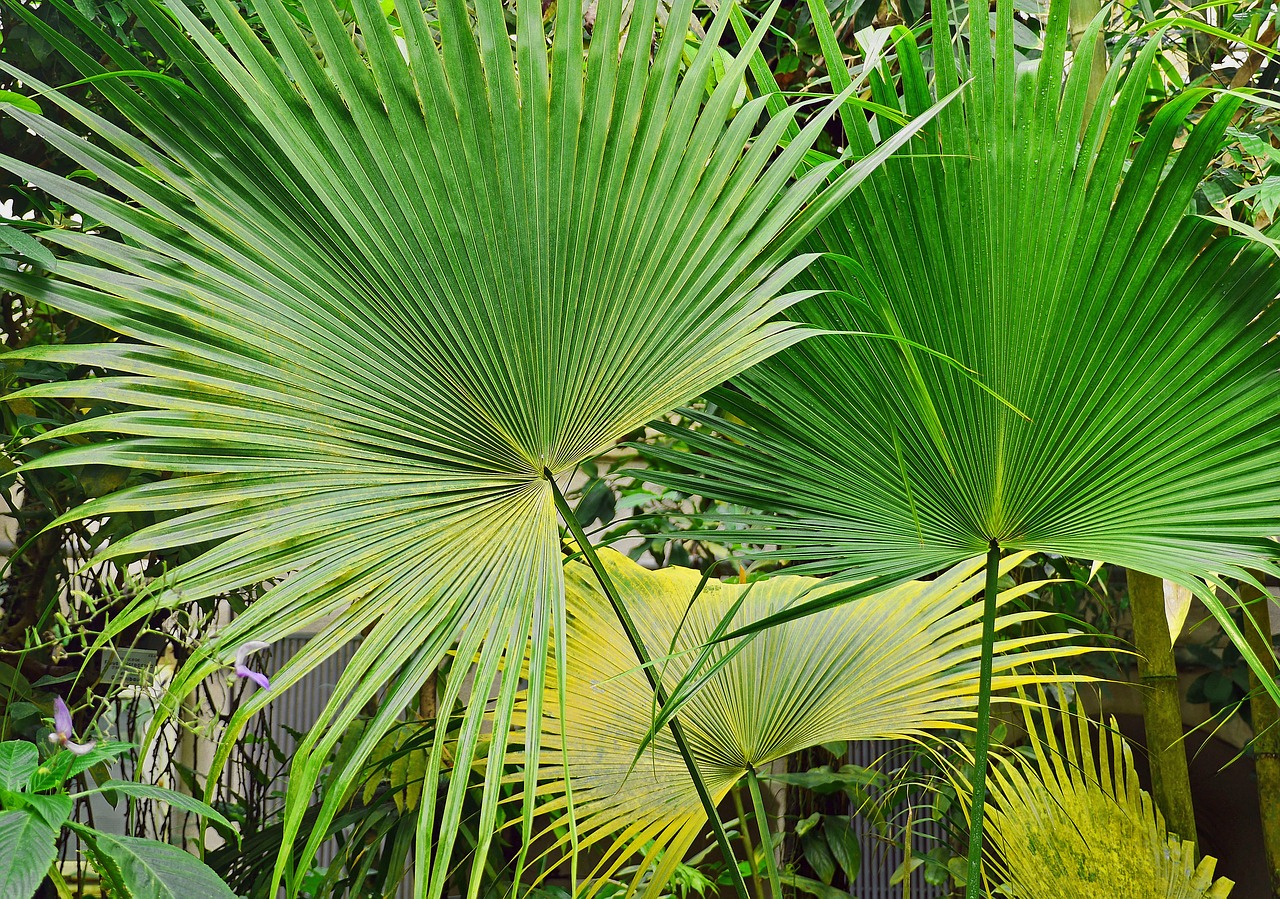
pixel 766 834
pixel 1161 707
pixel 1080 14
pixel 977 810
pixel 427 700
pixel 1266 724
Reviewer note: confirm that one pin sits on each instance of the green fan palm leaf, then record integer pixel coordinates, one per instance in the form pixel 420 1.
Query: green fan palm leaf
pixel 901 663
pixel 372 300
pixel 1132 343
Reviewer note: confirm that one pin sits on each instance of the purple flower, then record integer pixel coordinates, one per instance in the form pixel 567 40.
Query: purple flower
pixel 243 670
pixel 63 732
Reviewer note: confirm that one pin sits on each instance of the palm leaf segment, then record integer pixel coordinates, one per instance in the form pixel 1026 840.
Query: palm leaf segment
pixel 898 664
pixel 1076 822
pixel 370 301
pixel 1135 340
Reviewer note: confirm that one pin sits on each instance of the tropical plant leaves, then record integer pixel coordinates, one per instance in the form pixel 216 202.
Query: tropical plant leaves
pixel 1074 821
pixel 1134 342
pixel 149 869
pixel 162 794
pixel 898 664
pixel 371 303
pixel 27 849
pixel 19 760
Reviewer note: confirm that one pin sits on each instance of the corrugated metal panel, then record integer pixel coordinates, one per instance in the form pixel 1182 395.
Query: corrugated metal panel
pixel 881 858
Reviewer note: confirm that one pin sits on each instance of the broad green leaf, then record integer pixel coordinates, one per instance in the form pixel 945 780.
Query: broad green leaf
pixel 66 764
pixel 843 843
pixel 813 887
pixel 22 243
pixel 149 869
pixel 370 306
pixel 1072 820
pixel 834 676
pixel 1267 192
pixel 27 849
pixel 53 810
pixel 818 854
pixel 26 104
pixel 161 794
pixel 18 761
pixel 1031 247
pixel 807 824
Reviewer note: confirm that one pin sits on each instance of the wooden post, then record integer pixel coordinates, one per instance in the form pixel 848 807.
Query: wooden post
pixel 1266 725
pixel 1161 707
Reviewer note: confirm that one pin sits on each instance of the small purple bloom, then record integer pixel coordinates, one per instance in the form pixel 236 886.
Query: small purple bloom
pixel 63 729
pixel 243 670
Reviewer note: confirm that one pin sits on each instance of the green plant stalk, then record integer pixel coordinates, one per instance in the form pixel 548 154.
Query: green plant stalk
pixel 977 810
pixel 906 857
pixel 766 837
pixel 642 654
pixel 59 882
pixel 1161 707
pixel 744 834
pixel 1266 727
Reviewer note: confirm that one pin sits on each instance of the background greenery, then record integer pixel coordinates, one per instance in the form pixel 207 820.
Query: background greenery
pixel 44 643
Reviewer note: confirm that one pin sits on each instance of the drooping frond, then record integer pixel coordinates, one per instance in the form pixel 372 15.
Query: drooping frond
pixel 897 664
pixel 369 296
pixel 1131 345
pixel 1075 822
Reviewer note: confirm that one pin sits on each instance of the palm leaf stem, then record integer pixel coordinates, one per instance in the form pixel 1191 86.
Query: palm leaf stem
pixel 1161 709
pixel 973 882
pixel 744 834
pixel 766 838
pixel 646 663
pixel 1266 727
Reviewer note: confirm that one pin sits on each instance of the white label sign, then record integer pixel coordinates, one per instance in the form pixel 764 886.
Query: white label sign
pixel 130 667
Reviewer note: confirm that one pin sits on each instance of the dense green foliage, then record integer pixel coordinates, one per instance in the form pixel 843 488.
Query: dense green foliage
pixel 332 292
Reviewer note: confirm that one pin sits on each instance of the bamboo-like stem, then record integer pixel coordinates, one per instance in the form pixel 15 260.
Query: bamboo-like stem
pixel 1161 707
pixel 1266 727
pixel 642 654
pixel 427 701
pixel 1079 15
pixel 766 835
pixel 744 834
pixel 977 810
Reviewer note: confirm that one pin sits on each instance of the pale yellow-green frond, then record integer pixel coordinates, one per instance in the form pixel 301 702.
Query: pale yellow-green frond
pixel 898 664
pixel 1076 823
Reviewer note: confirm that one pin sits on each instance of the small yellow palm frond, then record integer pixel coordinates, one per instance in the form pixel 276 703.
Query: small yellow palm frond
pixel 1076 823
pixel 897 664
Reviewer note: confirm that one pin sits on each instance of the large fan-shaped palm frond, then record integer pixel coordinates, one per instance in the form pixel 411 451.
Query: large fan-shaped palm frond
pixel 897 664
pixel 1132 341
pixel 374 300
pixel 1075 825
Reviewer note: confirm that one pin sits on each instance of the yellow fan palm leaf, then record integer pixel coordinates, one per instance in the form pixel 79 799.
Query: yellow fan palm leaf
pixel 901 663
